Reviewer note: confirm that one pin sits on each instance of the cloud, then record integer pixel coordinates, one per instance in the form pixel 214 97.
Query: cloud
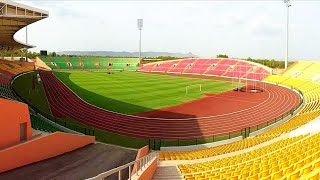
pixel 206 28
pixel 264 27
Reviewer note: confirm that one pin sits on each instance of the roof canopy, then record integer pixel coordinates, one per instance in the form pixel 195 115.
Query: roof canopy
pixel 13 17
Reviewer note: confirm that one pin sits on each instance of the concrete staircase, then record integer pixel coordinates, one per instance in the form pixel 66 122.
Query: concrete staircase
pixel 167 173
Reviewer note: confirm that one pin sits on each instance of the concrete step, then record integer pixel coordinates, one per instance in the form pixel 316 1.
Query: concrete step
pixel 167 172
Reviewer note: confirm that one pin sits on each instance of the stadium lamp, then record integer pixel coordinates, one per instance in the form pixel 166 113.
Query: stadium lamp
pixel 288 4
pixel 140 25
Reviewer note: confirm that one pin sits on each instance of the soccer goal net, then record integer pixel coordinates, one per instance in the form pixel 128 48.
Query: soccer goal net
pixel 193 87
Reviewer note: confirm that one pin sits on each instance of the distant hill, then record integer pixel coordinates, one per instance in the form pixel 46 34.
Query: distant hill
pixel 125 54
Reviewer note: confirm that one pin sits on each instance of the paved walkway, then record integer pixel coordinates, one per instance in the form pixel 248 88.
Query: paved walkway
pixel 83 163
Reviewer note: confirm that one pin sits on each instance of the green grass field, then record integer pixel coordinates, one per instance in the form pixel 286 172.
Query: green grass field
pixel 135 92
pixel 23 86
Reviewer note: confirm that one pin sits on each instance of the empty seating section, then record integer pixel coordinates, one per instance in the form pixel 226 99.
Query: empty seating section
pixel 311 72
pixel 296 69
pixel 61 62
pixel 276 79
pixel 75 63
pixel 289 158
pixel 147 67
pixel 239 70
pixel 104 63
pixel 165 66
pixel 215 67
pixel 182 65
pixel 89 63
pixel 133 64
pixel 213 151
pixel 201 66
pixel 40 125
pixel 256 73
pixel 292 158
pixel 291 125
pixel 119 63
pixel 304 70
pixel 9 69
pixel 49 63
pixel 4 80
pixel 222 67
pixel 5 91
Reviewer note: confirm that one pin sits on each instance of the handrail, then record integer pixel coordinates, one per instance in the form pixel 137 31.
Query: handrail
pixel 146 160
pixel 2 8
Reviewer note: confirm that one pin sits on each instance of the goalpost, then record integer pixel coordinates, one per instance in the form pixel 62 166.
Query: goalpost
pixel 193 85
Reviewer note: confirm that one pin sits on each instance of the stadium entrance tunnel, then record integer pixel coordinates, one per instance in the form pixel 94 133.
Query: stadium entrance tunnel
pixel 250 89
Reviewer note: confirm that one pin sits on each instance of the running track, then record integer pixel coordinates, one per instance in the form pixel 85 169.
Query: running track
pixel 64 103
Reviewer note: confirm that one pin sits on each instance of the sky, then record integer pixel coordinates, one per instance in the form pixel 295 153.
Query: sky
pixel 239 29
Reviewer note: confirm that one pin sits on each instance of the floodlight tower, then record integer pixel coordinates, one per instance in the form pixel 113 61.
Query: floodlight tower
pixel 288 4
pixel 140 25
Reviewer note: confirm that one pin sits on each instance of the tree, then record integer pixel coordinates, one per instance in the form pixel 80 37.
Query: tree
pixel 53 54
pixel 222 56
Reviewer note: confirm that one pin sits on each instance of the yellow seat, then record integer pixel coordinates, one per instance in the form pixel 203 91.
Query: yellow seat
pixel 316 165
pixel 254 177
pixel 306 170
pixel 299 165
pixel 233 178
pixel 294 176
pixel 244 175
pixel 288 170
pixel 277 175
pixel 314 176
pixel 274 170
pixel 254 172
pixel 264 174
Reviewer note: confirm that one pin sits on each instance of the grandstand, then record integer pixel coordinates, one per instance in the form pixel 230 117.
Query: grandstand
pixel 91 63
pixel 285 158
pixel 210 67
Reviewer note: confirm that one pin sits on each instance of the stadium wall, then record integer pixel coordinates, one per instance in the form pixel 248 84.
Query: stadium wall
pixel 41 148
pixel 141 153
pixel 147 173
pixel 13 114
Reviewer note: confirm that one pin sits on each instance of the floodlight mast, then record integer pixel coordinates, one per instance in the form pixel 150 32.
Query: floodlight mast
pixel 288 4
pixel 140 25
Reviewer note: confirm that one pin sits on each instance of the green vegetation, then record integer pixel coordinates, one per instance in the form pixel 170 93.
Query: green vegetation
pixel 270 63
pixel 134 92
pixel 36 96
pixel 222 56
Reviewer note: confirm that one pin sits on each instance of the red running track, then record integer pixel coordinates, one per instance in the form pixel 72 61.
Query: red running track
pixel 64 103
pixel 212 105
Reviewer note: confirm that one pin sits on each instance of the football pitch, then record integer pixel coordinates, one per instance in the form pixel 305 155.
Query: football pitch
pixel 136 92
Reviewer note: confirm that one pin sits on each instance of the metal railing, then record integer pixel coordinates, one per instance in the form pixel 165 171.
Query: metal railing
pixel 142 164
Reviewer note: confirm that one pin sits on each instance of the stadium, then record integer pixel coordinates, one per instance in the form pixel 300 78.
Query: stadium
pixel 98 117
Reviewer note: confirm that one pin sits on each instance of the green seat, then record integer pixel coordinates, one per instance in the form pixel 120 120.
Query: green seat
pixel 89 63
pixel 61 62
pixel 41 125
pixel 48 62
pixel 103 63
pixel 75 62
pixel 131 68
